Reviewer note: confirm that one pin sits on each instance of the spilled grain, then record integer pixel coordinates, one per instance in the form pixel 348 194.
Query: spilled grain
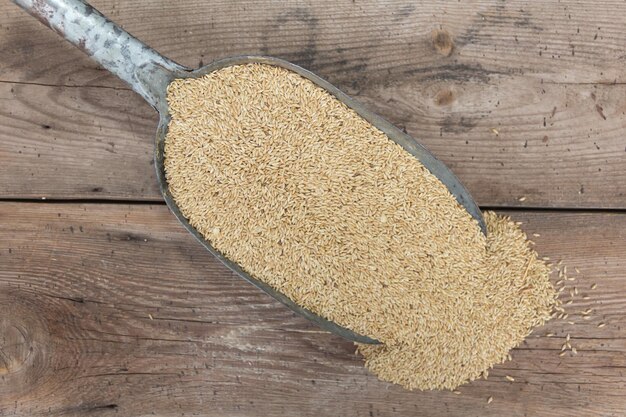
pixel 305 195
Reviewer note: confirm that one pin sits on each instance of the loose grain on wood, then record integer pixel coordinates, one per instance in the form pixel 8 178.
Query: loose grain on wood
pixel 79 282
pixel 554 145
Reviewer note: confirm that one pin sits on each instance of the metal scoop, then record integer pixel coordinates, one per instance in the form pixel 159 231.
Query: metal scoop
pixel 149 73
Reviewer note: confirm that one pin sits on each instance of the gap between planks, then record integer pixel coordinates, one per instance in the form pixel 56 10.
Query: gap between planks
pixel 160 202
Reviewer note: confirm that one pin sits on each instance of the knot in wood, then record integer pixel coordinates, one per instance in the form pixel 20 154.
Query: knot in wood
pixel 442 41
pixel 14 346
pixel 23 335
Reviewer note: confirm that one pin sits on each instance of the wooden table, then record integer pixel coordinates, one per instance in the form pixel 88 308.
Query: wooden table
pixel 109 308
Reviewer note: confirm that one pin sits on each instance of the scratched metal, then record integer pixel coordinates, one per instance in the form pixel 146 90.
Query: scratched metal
pixel 149 73
pixel 144 69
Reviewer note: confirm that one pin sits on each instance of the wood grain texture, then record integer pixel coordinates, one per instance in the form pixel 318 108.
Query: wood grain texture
pixel 547 77
pixel 82 142
pixel 569 41
pixel 114 310
pixel 111 310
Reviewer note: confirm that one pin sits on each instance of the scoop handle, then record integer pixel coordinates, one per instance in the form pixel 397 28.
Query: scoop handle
pixel 140 66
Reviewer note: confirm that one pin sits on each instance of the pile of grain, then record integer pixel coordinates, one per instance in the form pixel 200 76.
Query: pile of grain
pixel 304 194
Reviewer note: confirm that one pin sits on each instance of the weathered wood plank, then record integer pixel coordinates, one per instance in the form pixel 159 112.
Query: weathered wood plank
pixel 362 42
pixel 115 310
pixel 552 146
pixel 541 75
pixel 58 142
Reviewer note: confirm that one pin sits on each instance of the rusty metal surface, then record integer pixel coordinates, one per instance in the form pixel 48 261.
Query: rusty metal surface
pixel 149 74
